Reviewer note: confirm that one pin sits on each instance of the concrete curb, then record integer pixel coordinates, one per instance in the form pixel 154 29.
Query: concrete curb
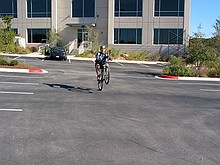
pixel 163 76
pixel 71 57
pixel 23 70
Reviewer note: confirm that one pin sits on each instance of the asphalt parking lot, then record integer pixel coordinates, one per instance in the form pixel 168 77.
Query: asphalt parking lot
pixel 61 118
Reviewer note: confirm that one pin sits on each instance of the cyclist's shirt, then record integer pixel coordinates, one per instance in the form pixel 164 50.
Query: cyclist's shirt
pixel 101 58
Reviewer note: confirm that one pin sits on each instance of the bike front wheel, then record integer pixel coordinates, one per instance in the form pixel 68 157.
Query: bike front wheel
pixel 107 75
pixel 100 81
pixel 100 85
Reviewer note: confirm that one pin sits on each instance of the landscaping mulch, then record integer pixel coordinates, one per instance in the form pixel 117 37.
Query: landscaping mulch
pixel 19 66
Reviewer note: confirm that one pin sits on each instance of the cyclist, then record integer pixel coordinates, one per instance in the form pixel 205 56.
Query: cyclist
pixel 101 58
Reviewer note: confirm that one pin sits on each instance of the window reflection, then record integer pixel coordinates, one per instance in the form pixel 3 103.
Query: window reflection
pixel 168 36
pixel 83 8
pixel 38 8
pixel 127 36
pixel 37 35
pixel 128 8
pixel 169 8
pixel 8 7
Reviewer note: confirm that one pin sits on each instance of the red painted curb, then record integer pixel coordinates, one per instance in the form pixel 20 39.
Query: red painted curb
pixel 35 70
pixel 168 76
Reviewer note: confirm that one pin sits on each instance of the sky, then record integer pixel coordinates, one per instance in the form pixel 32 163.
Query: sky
pixel 204 12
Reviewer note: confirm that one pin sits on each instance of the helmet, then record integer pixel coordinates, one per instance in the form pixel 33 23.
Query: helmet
pixel 102 47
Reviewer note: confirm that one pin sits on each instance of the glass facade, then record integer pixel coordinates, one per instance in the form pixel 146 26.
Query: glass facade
pixel 38 8
pixel 37 35
pixel 168 36
pixel 127 36
pixel 8 7
pixel 128 8
pixel 169 8
pixel 83 8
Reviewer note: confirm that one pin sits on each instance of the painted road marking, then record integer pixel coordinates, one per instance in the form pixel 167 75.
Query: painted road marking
pixel 119 63
pixel 144 65
pixel 159 64
pixel 20 93
pixel 19 76
pixel 199 84
pixel 210 90
pixel 16 57
pixel 17 83
pixel 13 110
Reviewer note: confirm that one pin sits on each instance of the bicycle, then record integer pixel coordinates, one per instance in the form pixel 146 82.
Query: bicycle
pixel 104 76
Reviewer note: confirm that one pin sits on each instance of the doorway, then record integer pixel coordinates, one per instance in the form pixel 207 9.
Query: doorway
pixel 82 35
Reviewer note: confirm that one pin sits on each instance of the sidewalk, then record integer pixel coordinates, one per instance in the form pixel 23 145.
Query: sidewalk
pixel 71 57
pixel 162 76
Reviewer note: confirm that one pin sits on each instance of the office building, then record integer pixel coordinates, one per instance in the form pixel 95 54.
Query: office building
pixel 135 25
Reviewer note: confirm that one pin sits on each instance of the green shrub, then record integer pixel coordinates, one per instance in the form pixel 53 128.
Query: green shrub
pixel 164 58
pixel 202 73
pixel 189 72
pixel 2 57
pixel 14 62
pixel 3 61
pixel 143 56
pixel 213 73
pixel 33 49
pixel 12 48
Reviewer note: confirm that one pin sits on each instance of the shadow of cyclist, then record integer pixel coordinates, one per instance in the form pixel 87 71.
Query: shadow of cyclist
pixel 70 88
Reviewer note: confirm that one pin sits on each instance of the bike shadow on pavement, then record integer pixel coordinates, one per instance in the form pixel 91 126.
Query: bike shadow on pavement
pixel 70 88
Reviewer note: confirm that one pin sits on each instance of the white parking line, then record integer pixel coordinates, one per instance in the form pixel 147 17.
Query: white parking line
pixel 144 65
pixel 20 93
pixel 16 57
pixel 159 64
pixel 17 83
pixel 199 84
pixel 13 110
pixel 120 63
pixel 210 90
pixel 20 77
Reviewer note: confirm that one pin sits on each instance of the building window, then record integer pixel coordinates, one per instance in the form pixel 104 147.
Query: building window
pixel 169 8
pixel 168 36
pixel 83 8
pixel 38 8
pixel 37 35
pixel 15 30
pixel 8 7
pixel 127 36
pixel 128 8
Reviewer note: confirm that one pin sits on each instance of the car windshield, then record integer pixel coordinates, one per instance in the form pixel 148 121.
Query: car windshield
pixel 58 49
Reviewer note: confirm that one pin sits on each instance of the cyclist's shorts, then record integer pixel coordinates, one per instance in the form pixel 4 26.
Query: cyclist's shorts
pixel 101 63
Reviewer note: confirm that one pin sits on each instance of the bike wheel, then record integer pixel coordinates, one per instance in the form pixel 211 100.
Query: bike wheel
pixel 107 75
pixel 100 81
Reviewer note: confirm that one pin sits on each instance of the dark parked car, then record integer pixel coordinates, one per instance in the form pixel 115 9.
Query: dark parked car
pixel 58 53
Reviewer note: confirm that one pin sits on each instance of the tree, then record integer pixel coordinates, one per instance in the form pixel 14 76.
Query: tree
pixel 217 27
pixel 93 36
pixel 199 33
pixel 53 38
pixel 7 22
pixel 6 33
